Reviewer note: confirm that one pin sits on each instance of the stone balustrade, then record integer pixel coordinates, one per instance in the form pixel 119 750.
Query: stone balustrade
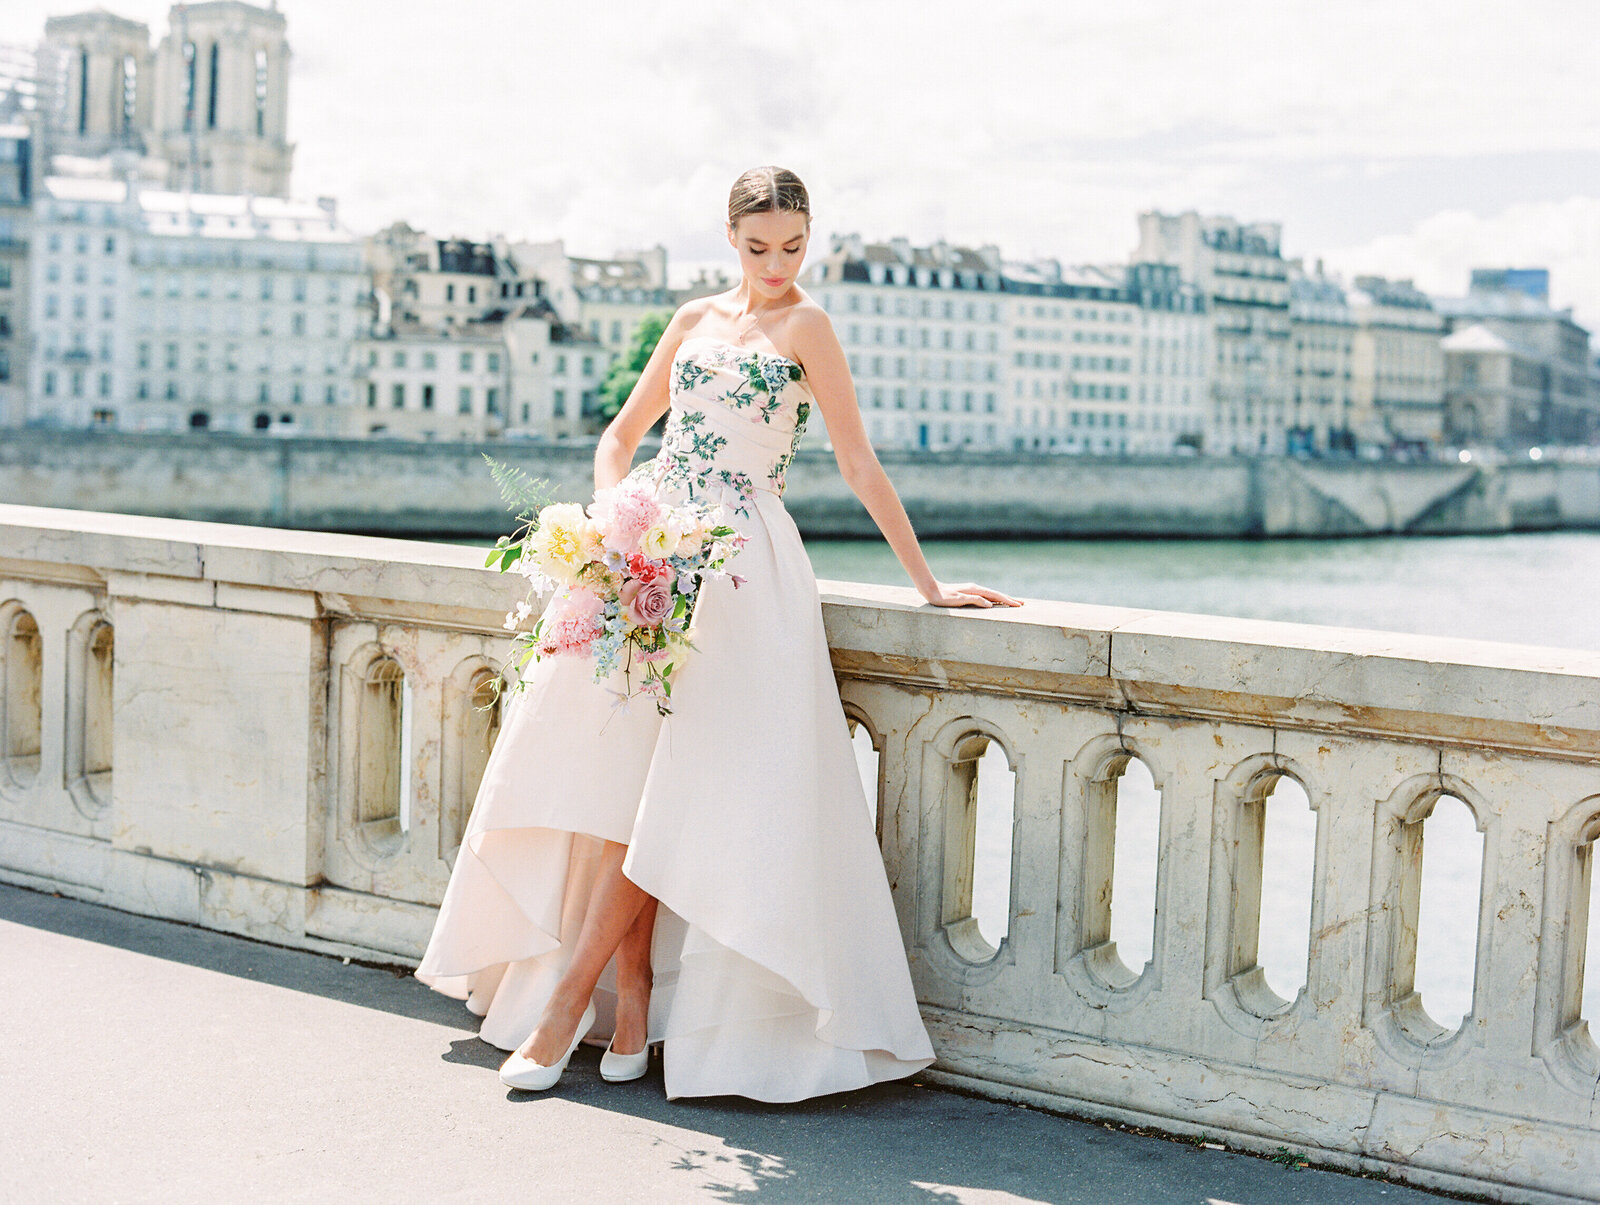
pixel 279 734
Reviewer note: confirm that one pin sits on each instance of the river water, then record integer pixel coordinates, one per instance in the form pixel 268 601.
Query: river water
pixel 1527 589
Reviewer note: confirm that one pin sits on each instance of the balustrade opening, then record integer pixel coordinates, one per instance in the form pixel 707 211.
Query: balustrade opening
pixel 482 730
pixel 22 698
pixel 1136 844
pixel 97 709
pixel 1590 1000
pixel 1450 849
pixel 869 765
pixel 1288 870
pixel 991 880
pixel 381 751
pixel 979 807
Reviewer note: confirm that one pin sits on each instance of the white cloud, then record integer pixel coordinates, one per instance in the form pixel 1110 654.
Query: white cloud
pixel 1439 251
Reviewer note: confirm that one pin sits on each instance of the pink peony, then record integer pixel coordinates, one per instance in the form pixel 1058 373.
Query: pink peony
pixel 646 603
pixel 574 628
pixel 624 512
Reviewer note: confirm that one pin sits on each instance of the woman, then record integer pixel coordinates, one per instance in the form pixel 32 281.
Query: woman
pixel 710 880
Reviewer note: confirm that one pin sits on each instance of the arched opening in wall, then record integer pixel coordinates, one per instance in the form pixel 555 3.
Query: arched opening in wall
pixel 991 883
pixel 1288 872
pixel 97 710
pixel 1450 849
pixel 381 806
pixel 869 765
pixel 980 800
pixel 1135 822
pixel 22 698
pixel 483 728
pixel 1588 924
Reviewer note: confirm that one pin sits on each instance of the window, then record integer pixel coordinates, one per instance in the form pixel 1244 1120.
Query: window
pixel 427 397
pixel 449 292
pixel 466 361
pixel 491 400
pixel 399 359
pixel 464 400
pixel 558 407
pixel 494 361
pixel 399 396
pixel 429 360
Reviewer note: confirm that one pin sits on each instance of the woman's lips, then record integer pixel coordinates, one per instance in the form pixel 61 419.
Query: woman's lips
pixel 771 280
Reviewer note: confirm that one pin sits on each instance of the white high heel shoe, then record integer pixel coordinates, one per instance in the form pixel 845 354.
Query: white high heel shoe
pixel 619 1068
pixel 523 1073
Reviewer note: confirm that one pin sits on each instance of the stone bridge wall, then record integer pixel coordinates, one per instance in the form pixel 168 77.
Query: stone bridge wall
pixel 274 733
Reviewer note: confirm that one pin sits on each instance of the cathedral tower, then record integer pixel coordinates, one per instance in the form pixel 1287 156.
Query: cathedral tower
pixel 220 121
pixel 96 68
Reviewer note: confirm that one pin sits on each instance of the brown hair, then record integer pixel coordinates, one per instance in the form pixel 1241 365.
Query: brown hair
pixel 767 190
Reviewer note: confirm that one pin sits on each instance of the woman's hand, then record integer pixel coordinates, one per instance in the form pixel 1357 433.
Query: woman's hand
pixel 967 594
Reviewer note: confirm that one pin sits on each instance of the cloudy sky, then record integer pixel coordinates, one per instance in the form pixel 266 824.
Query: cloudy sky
pixel 1410 137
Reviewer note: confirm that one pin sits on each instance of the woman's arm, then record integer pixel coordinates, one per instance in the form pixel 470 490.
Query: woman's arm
pixel 828 372
pixel 613 456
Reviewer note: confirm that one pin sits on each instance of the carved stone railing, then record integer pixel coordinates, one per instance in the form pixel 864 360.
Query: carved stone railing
pixel 275 734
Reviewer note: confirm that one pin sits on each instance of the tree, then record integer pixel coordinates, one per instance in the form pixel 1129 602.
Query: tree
pixel 626 369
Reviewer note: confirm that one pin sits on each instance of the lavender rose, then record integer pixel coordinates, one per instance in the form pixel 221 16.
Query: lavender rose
pixel 646 603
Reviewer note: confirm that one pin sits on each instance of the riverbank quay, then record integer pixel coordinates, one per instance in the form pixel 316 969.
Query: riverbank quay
pixel 150 1061
pixel 443 490
pixel 279 735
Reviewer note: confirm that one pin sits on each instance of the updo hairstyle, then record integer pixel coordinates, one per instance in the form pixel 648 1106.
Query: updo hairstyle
pixel 767 190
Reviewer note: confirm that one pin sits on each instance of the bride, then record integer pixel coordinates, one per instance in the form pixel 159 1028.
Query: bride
pixel 706 881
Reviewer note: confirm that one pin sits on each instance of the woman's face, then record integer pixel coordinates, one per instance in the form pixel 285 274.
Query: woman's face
pixel 771 248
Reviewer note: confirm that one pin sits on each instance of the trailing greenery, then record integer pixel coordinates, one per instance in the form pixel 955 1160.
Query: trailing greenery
pixel 626 368
pixel 524 494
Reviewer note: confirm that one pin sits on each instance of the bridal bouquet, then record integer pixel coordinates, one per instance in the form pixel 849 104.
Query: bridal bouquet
pixel 629 570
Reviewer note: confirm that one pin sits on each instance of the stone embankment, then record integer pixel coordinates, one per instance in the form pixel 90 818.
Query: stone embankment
pixel 443 490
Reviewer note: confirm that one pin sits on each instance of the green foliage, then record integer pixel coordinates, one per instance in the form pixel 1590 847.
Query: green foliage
pixel 524 494
pixel 626 369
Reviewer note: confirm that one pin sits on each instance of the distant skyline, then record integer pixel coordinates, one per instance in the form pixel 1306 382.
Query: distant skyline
pixel 1412 140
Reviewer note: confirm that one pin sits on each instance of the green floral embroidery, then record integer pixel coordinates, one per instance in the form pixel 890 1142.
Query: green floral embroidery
pixel 688 454
pixel 781 467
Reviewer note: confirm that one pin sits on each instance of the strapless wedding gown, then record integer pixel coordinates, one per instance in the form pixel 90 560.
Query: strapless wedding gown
pixel 779 968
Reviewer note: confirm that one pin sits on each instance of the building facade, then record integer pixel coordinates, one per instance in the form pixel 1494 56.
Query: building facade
pixel 923 330
pixel 1397 361
pixel 1496 391
pixel 16 222
pixel 1514 304
pixel 1322 418
pixel 1240 270
pixel 154 310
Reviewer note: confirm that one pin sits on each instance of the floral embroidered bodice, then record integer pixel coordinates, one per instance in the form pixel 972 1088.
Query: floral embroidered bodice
pixel 737 416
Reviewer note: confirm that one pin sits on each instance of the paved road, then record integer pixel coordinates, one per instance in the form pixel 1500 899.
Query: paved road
pixel 148 1061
